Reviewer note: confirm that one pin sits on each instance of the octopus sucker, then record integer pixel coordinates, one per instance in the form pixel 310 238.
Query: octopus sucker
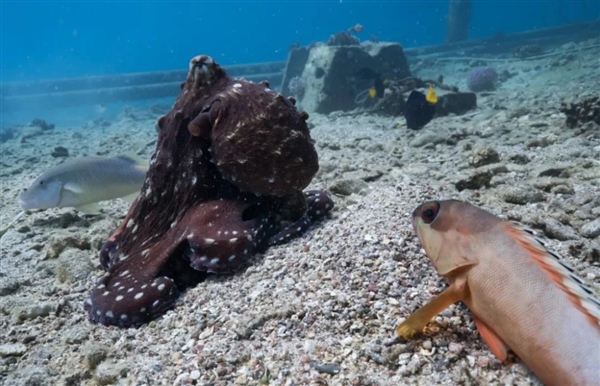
pixel 225 182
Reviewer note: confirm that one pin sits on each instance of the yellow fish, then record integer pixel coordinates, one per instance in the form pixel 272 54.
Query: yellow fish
pixel 431 97
pixel 372 93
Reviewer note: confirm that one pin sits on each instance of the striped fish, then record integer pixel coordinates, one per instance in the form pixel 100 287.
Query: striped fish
pixel 523 297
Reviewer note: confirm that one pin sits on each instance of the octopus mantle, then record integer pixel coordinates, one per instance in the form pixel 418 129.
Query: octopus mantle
pixel 224 182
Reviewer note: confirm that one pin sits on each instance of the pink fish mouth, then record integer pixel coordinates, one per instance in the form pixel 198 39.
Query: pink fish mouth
pixel 415 224
pixel 416 216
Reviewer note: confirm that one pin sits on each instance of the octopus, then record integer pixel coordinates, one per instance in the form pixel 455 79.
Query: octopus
pixel 225 181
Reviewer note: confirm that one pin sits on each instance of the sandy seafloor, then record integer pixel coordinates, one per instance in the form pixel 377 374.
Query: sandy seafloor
pixel 331 298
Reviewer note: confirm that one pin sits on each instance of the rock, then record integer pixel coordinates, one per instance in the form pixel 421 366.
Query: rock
pixel 480 177
pixel 347 341
pixel 475 181
pixel 325 168
pixel 520 195
pixel 330 76
pixel 591 229
pixel 7 134
pixel 547 184
pixel 31 376
pixel 94 355
pixel 9 286
pixel 563 189
pixel 495 169
pixel 589 175
pixel 42 124
pixel 556 230
pixel 519 112
pixel 484 156
pixel 107 373
pixel 348 186
pixel 344 38
pixel 353 199
pixel 538 124
pixel 455 103
pixel 67 219
pixel 427 138
pixel 326 368
pixel 73 265
pixel 519 159
pixel 26 133
pixel 586 110
pixel 369 175
pixel 75 334
pixel 455 347
pixel 374 148
pixel 194 375
pixel 32 311
pixel 12 350
pixel 537 142
pixel 554 171
pixel 586 212
pixel 60 152
pixel 60 241
pixel 184 377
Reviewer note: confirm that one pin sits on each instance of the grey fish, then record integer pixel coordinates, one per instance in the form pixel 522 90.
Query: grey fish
pixel 83 182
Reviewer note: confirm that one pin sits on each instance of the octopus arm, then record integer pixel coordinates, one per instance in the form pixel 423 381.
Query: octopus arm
pixel 318 204
pixel 220 238
pixel 123 300
pixel 132 292
pixel 203 123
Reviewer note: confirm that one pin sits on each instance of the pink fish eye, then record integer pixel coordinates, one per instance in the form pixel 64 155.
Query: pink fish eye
pixel 430 212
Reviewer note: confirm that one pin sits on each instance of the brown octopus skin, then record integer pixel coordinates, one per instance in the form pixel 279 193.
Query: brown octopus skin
pixel 230 154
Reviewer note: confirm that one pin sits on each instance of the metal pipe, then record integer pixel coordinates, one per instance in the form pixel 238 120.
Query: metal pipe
pixel 123 80
pixel 64 99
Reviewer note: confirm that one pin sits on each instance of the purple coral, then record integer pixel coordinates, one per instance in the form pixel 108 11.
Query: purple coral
pixel 482 79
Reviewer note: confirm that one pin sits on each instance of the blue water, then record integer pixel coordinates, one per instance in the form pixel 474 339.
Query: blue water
pixel 55 39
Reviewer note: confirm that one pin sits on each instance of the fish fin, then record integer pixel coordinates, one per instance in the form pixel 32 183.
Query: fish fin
pixel 130 198
pixel 141 163
pixel 379 87
pixel 10 224
pixel 417 321
pixel 73 187
pixel 372 93
pixel 559 272
pixel 431 97
pixel 453 264
pixel 91 208
pixel 494 342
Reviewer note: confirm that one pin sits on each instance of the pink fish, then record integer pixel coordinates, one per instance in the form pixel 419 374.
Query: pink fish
pixel 522 296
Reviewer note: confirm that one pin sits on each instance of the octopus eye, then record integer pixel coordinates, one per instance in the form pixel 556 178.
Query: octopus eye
pixel 430 212
pixel 194 128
